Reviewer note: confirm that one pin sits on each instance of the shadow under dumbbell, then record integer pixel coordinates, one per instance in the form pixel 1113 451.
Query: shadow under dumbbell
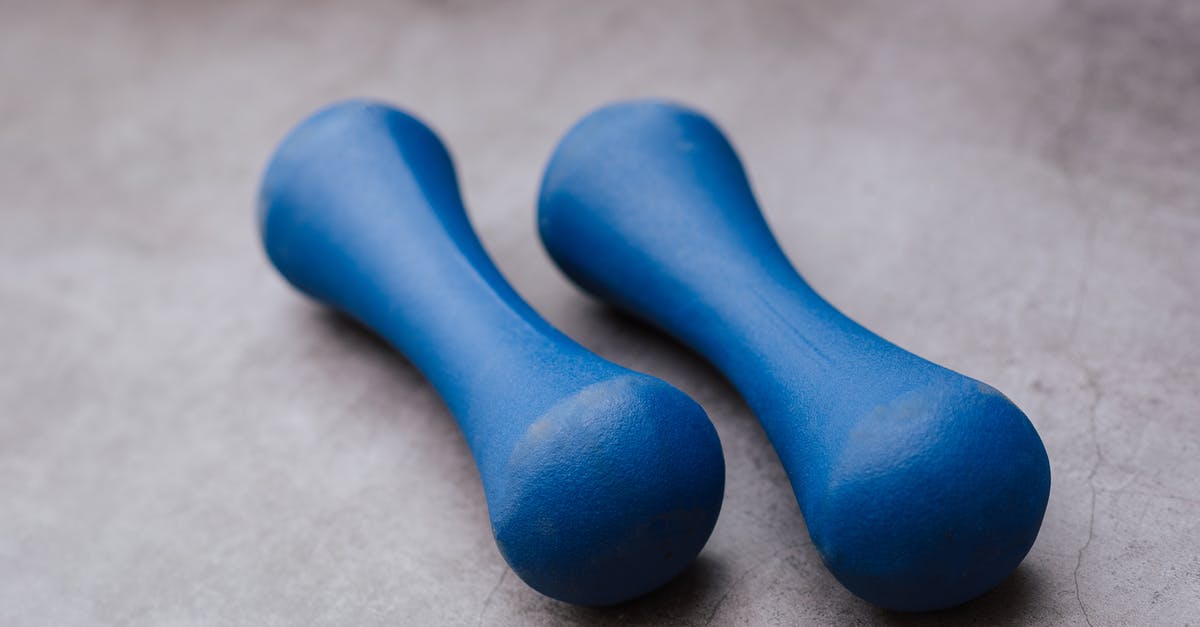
pixel 1006 604
pixel 674 603
pixel 620 337
pixel 405 385
pixel 360 338
pixel 357 349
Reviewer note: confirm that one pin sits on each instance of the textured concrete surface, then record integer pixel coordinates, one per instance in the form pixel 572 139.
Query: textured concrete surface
pixel 1008 188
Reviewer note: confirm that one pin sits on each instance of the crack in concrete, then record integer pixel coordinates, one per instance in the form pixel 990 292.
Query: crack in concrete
pixel 1097 397
pixel 1152 495
pixel 487 601
pixel 1062 153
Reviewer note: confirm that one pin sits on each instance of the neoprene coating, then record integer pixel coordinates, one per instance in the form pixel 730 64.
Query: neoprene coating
pixel 602 484
pixel 921 488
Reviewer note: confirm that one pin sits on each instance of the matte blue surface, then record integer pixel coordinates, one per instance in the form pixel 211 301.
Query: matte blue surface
pixel 602 484
pixel 921 488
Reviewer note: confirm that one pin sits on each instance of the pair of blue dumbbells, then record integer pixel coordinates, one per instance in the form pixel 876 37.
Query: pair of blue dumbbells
pixel 921 488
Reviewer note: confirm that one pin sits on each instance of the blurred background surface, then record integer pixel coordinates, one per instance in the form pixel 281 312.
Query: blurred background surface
pixel 1009 189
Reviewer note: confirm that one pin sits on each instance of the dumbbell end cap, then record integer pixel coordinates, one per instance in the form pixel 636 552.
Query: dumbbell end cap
pixel 934 499
pixel 611 493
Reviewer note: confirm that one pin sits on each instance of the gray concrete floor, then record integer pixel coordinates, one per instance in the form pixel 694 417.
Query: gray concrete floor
pixel 1008 188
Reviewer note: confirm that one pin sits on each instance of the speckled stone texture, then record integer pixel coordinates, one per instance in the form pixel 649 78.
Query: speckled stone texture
pixel 1009 189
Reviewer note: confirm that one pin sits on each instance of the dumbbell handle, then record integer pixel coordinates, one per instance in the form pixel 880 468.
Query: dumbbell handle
pixel 921 487
pixel 389 243
pixel 593 473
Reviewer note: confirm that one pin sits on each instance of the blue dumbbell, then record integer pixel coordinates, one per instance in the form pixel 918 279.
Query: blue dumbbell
pixel 602 483
pixel 921 488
